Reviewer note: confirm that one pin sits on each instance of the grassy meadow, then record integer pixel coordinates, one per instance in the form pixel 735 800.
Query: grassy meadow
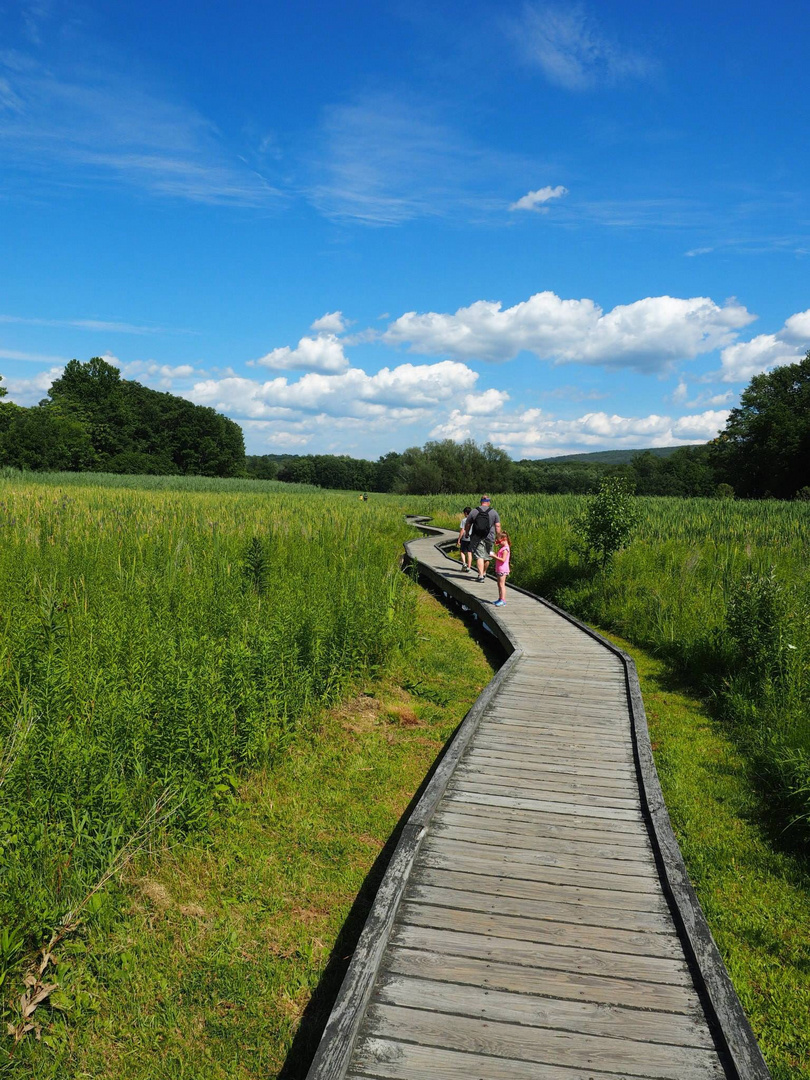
pixel 156 645
pixel 204 961
pixel 218 696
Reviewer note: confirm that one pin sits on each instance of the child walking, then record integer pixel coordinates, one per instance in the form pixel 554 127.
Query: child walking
pixel 503 549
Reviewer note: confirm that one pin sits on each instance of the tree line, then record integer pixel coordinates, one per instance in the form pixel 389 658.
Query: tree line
pixel 95 420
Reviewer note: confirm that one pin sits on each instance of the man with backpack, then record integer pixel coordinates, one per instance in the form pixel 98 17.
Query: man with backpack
pixel 483 525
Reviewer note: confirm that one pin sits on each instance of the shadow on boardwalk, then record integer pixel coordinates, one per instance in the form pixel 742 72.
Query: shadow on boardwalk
pixel 320 1005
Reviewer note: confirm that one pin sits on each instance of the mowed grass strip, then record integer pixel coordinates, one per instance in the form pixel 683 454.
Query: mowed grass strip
pixel 756 897
pixel 210 962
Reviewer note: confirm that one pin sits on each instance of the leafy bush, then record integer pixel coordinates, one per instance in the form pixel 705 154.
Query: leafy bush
pixel 609 520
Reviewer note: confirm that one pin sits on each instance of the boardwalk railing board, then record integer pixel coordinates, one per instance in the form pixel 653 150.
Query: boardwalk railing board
pixel 584 897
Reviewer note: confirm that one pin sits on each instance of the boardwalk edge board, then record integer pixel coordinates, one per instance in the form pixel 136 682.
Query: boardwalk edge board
pixel 731 1028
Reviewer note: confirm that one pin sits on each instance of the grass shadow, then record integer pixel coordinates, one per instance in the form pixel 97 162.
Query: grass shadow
pixel 316 1014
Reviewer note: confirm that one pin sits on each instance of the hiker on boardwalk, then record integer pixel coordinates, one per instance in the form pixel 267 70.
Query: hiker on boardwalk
pixel 503 549
pixel 483 525
pixel 464 544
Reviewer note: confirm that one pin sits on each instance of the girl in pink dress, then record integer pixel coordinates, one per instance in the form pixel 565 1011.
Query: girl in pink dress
pixel 502 552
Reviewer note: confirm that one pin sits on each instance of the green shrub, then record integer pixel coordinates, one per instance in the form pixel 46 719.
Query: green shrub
pixel 610 519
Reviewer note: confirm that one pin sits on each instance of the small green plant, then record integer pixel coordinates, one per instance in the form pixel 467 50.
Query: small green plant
pixel 256 566
pixel 803 494
pixel 11 945
pixel 754 622
pixel 609 520
pixel 724 491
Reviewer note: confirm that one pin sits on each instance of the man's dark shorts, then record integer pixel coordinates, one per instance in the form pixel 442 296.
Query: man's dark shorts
pixel 466 545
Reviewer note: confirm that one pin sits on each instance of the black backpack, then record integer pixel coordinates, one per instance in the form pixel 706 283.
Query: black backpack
pixel 482 523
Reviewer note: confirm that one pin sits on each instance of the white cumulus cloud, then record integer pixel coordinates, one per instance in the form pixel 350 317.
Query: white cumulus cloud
pixel 536 200
pixel 397 393
pixel 647 335
pixel 32 390
pixel 321 353
pixel 332 322
pixel 744 359
pixel 486 403
pixel 534 433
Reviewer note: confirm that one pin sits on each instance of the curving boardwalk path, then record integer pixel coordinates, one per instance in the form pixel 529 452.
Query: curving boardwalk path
pixel 536 922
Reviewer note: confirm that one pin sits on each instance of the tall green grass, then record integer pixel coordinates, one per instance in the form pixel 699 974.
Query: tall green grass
pixel 718 588
pixel 155 643
pixel 153 483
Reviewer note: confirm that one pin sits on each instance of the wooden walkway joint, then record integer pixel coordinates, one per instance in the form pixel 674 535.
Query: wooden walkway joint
pixel 536 920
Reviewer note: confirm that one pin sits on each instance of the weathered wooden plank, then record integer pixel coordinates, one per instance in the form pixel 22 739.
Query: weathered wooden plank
pixel 612 705
pixel 625 1056
pixel 551 932
pixel 486 757
pixel 518 835
pixel 539 954
pixel 542 824
pixel 548 803
pixel 584 890
pixel 415 991
pixel 538 773
pixel 559 757
pixel 474 893
pixel 609 820
pixel 524 731
pixel 631 860
pixel 539 682
pixel 533 787
pixel 389 1059
pixel 608 746
pixel 612 723
pixel 540 865
pixel 629 993
pixel 539 756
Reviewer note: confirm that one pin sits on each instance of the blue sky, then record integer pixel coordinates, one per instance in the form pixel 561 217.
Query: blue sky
pixel 353 227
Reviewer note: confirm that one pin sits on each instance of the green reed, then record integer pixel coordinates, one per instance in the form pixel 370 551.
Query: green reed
pixel 155 643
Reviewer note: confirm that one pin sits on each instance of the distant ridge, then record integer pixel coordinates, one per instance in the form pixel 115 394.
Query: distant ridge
pixel 610 457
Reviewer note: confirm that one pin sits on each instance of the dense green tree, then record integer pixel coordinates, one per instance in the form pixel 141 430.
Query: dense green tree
pixel 95 419
pixel 686 472
pixel 386 471
pixel 262 466
pixel 765 447
pixel 448 466
pixel 46 438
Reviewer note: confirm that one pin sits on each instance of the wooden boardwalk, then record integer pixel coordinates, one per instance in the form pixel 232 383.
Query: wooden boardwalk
pixel 536 921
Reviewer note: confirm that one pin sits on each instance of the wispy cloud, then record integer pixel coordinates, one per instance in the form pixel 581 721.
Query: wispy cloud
pixel 90 324
pixel 94 124
pixel 384 161
pixel 573 51
pixel 31 357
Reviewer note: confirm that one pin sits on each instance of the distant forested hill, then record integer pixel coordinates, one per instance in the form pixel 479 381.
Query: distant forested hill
pixel 610 457
pixel 95 420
